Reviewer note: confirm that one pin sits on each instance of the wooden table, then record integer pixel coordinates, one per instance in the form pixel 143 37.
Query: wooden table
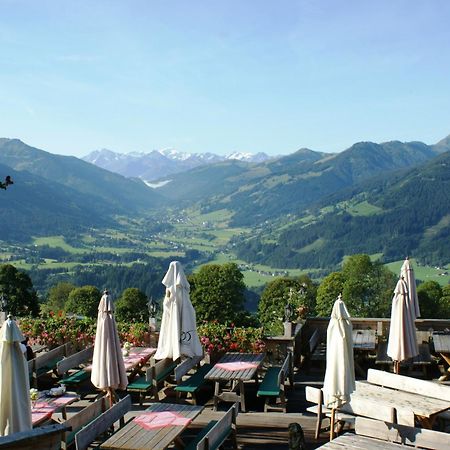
pixel 134 361
pixel 43 408
pixel 441 344
pixel 134 436
pixel 364 340
pixel 137 359
pixel 235 378
pixel 409 406
pixel 356 442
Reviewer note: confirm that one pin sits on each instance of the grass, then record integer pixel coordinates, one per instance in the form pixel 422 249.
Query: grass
pixel 58 241
pixel 424 273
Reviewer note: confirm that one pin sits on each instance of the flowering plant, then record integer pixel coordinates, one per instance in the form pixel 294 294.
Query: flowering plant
pixel 34 394
pixel 218 337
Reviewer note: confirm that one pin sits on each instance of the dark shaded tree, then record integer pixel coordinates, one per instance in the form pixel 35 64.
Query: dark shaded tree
pixel 132 306
pixel 18 291
pixel 217 292
pixel 84 301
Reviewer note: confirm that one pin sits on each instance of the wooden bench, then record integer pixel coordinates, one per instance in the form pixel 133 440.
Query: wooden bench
pixel 155 375
pixel 47 362
pixel 194 382
pixel 216 432
pixel 74 362
pixel 48 437
pixel 412 385
pixel 346 414
pixel 401 434
pixel 102 423
pixel 83 418
pixel 273 386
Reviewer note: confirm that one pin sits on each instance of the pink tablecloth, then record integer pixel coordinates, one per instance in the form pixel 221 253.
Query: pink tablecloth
pixel 162 419
pixel 237 365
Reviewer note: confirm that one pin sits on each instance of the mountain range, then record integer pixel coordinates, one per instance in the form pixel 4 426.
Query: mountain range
pixel 161 163
pixel 307 209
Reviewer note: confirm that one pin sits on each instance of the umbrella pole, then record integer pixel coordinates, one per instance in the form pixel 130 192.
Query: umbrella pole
pixel 333 413
pixel 111 395
pixel 396 367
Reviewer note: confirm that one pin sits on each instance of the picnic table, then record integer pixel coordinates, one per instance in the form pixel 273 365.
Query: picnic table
pixel 45 406
pixel 409 406
pixel 364 340
pixel 156 428
pixel 441 342
pixel 135 360
pixel 230 374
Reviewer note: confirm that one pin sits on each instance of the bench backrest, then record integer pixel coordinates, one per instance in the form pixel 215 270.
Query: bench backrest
pixel 285 369
pixel 74 360
pixel 102 423
pixel 48 437
pixel 83 417
pixel 408 384
pixel 357 406
pixel 314 340
pixel 185 366
pixel 402 434
pixel 57 353
pixel 159 368
pixel 217 435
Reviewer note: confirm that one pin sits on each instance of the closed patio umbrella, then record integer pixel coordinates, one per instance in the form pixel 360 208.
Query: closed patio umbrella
pixel 108 370
pixel 15 406
pixel 339 380
pixel 402 343
pixel 178 335
pixel 407 272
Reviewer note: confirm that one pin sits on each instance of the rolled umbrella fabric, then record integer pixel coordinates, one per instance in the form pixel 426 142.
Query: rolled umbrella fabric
pixel 108 369
pixel 407 272
pixel 178 335
pixel 15 405
pixel 402 343
pixel 339 380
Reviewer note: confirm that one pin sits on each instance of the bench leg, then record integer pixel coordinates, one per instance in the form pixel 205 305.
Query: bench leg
pixel 216 395
pixel 242 395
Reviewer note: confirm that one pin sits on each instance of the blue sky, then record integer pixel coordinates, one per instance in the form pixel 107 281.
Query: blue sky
pixel 223 76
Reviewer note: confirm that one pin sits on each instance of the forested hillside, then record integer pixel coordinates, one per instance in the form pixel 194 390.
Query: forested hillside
pixel 394 215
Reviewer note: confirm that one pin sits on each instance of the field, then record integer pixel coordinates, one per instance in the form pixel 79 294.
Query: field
pixel 190 230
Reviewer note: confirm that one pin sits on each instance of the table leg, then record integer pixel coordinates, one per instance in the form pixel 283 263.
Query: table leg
pixel 446 358
pixel 216 395
pixel 242 395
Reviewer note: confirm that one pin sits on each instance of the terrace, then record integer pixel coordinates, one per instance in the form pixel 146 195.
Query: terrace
pixel 257 429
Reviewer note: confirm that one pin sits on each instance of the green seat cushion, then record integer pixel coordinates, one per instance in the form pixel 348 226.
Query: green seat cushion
pixel 269 386
pixel 140 384
pixel 194 381
pixel 49 366
pixel 192 445
pixel 76 378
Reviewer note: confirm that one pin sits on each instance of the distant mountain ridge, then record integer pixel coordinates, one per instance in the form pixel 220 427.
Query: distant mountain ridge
pixel 59 193
pixel 161 163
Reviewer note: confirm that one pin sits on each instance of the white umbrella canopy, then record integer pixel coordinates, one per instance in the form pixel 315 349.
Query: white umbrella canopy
pixel 178 335
pixel 339 380
pixel 407 272
pixel 108 370
pixel 15 406
pixel 402 343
